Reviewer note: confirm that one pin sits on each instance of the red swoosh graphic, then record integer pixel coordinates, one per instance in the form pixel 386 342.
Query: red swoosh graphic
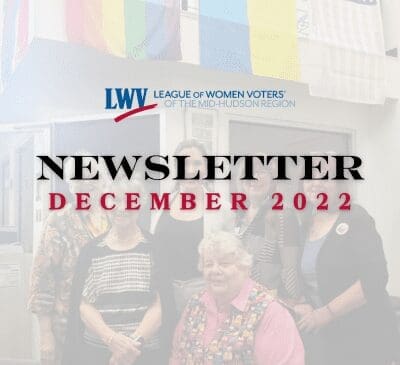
pixel 134 111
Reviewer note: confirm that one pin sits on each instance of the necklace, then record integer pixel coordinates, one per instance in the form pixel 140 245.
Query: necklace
pixel 115 242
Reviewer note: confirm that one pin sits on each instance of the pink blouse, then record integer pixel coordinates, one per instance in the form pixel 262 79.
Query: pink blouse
pixel 277 341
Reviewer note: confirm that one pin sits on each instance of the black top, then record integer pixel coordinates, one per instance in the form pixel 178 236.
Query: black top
pixel 176 256
pixel 121 285
pixel 353 251
pixel 178 243
pixel 257 226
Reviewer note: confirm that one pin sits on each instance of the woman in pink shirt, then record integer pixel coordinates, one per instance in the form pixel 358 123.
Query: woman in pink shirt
pixel 235 320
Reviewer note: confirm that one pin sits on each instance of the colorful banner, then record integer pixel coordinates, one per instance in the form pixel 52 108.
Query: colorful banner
pixel 136 29
pixel 257 37
pixel 253 36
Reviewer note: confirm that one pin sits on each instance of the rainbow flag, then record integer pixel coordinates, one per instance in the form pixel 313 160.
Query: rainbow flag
pixel 252 36
pixel 138 29
pixel 15 36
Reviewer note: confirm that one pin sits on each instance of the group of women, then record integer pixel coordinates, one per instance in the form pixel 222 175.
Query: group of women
pixel 210 287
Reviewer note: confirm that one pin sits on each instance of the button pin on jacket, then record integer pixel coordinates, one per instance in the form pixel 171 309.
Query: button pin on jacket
pixel 342 228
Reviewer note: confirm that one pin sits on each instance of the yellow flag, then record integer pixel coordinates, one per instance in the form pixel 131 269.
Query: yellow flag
pixel 114 26
pixel 273 38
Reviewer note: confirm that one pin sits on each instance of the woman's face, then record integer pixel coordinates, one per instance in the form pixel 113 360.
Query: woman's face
pixel 224 277
pixel 119 216
pixel 194 163
pixel 314 187
pixel 93 187
pixel 258 189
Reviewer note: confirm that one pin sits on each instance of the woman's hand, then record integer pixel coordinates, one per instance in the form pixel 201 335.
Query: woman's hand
pixel 47 348
pixel 124 350
pixel 315 320
pixel 115 360
pixel 302 309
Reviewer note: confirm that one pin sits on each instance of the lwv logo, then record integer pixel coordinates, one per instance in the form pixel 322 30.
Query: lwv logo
pixel 124 98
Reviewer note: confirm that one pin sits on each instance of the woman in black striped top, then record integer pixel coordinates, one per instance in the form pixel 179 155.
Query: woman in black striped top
pixel 119 304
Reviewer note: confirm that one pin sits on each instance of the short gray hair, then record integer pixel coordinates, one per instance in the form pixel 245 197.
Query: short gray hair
pixel 225 243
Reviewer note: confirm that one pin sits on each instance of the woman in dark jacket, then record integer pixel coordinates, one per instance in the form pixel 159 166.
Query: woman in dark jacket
pixel 345 276
pixel 115 308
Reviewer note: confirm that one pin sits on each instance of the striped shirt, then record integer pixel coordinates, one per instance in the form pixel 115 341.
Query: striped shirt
pixel 121 286
pixel 272 238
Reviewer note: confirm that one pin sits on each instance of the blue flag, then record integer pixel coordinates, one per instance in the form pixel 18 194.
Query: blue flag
pixel 224 35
